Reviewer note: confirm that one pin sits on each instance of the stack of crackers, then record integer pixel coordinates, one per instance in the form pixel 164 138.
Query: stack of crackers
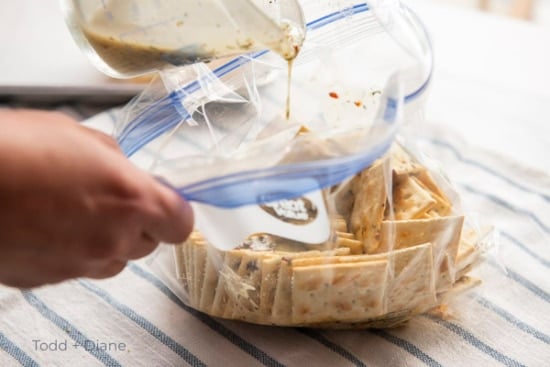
pixel 399 249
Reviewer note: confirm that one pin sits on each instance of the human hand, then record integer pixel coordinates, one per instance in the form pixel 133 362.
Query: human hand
pixel 72 205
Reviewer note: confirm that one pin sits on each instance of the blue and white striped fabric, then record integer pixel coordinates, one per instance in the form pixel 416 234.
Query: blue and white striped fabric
pixel 135 320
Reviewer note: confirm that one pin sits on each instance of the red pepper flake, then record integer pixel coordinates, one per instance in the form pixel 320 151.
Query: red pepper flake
pixel 333 95
pixel 358 103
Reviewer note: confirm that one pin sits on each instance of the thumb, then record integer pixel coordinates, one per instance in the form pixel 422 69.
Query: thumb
pixel 174 221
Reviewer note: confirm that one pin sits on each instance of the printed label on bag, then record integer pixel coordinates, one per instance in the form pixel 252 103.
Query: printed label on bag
pixel 298 211
pixel 302 219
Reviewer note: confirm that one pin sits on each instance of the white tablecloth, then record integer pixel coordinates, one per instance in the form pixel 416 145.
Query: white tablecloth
pixel 487 126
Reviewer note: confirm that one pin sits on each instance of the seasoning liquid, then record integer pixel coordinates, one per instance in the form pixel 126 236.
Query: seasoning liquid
pixel 288 87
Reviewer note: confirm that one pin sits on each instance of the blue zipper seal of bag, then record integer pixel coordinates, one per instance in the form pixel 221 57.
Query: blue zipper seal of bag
pixel 269 184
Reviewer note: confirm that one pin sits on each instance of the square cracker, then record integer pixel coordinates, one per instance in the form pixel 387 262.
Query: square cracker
pixel 355 246
pixel 343 199
pixel 323 260
pixel 443 232
pixel 270 271
pixel 402 164
pixel 231 263
pixel 199 265
pixel 338 292
pixel 412 278
pixel 411 199
pixel 247 300
pixel 426 178
pixel 339 224
pixel 189 275
pixel 369 188
pixel 340 234
pixel 214 260
pixel 467 257
pixel 180 263
pixel 442 206
pixel 181 272
pixel 281 309
pixel 282 303
pixel 240 283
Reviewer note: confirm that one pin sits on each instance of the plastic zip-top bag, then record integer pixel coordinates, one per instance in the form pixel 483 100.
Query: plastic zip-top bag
pixel 348 88
pixel 321 219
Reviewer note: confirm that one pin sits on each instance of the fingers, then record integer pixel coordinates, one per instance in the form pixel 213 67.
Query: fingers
pixel 141 247
pixel 52 118
pixel 169 220
pixel 175 219
pixel 133 230
pixel 165 216
pixel 46 269
pixel 38 116
pixel 106 269
pixel 102 137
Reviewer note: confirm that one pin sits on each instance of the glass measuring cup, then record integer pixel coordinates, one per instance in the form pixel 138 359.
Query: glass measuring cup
pixel 127 38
